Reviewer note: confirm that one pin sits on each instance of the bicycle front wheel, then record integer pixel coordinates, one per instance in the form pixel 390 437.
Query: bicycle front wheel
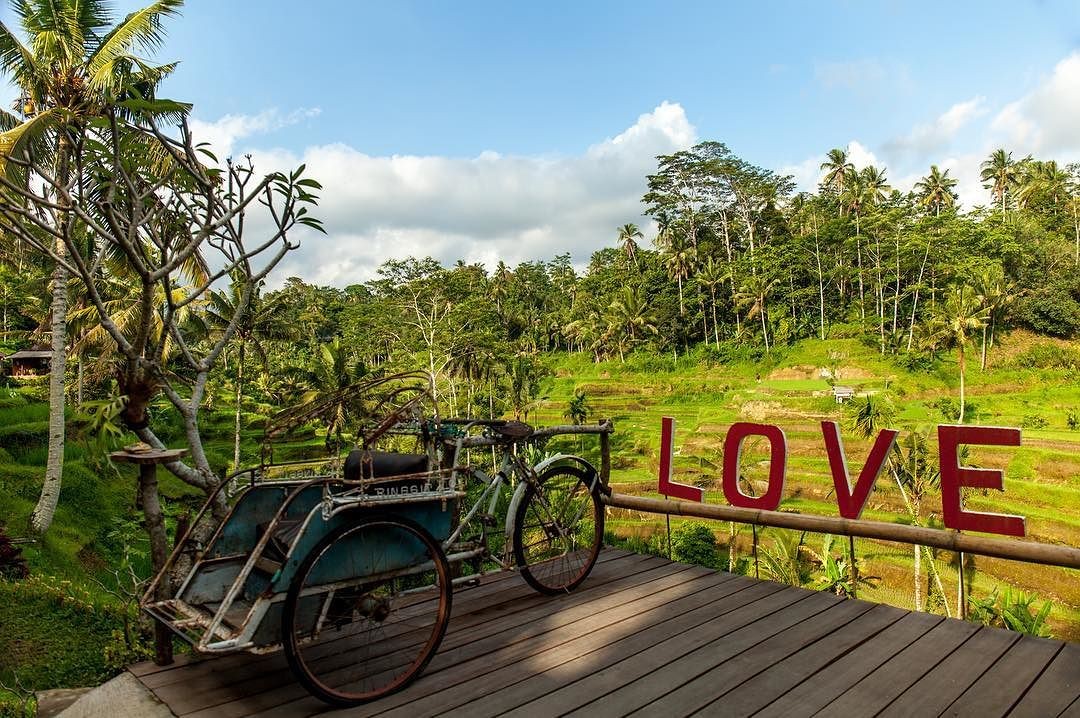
pixel 558 530
pixel 367 610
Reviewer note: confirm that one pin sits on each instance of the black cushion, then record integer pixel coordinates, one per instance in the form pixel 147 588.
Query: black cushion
pixel 384 464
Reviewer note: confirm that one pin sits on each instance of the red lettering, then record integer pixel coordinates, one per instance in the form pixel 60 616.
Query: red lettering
pixel 851 501
pixel 668 487
pixel 770 500
pixel 954 476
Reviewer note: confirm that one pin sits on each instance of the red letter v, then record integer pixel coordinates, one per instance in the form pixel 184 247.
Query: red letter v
pixel 851 501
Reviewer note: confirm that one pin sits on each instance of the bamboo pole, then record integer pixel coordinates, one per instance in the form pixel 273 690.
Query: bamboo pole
pixel 1029 551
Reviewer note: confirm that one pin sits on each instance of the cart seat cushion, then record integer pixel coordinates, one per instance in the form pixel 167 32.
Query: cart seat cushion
pixel 384 464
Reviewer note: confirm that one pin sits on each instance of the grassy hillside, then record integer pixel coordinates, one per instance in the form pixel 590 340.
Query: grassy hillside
pixel 64 626
pixel 1029 382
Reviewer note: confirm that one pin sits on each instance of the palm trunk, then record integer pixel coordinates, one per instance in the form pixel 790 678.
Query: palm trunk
pixel 239 400
pixel 821 286
pixel 1076 232
pixel 960 352
pixel 731 548
pixel 880 293
pixel 858 257
pixel 42 517
pixel 918 577
pixel 915 303
pixel 896 291
pixel 45 509
pixel 715 328
pixel 764 327
pixel 982 362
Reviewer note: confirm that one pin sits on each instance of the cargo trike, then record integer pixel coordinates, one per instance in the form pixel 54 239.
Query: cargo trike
pixel 350 566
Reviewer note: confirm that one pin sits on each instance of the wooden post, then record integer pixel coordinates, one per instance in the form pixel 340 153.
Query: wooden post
pixel 150 503
pixel 961 599
pixel 854 567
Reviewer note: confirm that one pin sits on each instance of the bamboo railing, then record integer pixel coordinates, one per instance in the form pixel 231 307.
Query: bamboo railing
pixel 1029 551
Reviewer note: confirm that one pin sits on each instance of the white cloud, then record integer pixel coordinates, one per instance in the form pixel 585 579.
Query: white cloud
pixel 926 139
pixel 1045 120
pixel 482 208
pixel 223 134
pixel 808 173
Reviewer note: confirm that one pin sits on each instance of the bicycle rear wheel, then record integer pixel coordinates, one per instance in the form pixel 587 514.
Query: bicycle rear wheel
pixel 558 530
pixel 367 610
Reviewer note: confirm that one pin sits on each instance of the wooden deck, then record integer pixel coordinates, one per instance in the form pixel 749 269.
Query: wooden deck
pixel 646 636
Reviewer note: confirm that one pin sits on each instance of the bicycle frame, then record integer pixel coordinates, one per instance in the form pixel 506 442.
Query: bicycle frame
pixel 509 466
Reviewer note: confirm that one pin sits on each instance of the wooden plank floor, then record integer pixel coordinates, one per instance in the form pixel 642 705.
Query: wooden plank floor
pixel 646 636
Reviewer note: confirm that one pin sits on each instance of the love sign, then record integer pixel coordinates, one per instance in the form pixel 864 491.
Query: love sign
pixel 852 498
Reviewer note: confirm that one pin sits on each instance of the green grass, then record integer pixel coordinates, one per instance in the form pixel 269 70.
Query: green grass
pixel 1042 476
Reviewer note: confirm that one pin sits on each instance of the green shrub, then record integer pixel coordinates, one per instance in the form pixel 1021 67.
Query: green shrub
pixel 1072 419
pixel 1034 421
pixel 695 543
pixel 915 361
pixel 1015 611
pixel 1048 356
pixel 12 563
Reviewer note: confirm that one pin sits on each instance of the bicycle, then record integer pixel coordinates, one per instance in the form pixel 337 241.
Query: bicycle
pixel 352 574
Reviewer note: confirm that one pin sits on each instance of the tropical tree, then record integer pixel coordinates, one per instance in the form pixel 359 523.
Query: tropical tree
pixel 1000 175
pixel 953 324
pixel 329 382
pixel 627 234
pixel 1043 182
pixel 261 322
pixel 711 275
pixel 630 318
pixel 74 66
pixel 680 257
pixel 935 190
pixel 783 560
pixel 838 168
pixel 755 294
pixel 911 465
pixel 916 473
pixel 995 294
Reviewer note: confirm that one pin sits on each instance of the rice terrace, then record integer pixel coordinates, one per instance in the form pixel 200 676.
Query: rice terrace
pixel 498 359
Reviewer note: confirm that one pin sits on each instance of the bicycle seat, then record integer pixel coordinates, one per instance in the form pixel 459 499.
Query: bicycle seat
pixel 512 431
pixel 383 464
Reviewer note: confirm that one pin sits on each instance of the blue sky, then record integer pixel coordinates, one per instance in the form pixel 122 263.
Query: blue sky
pixel 514 130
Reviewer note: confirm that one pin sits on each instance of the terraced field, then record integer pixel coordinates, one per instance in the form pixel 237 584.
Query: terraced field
pixel 1030 382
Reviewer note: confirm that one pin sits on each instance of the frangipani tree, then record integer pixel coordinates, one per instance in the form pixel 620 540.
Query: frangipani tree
pixel 73 67
pixel 147 197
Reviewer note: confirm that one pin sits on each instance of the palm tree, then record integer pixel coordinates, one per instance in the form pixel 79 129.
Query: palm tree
pixel 952 325
pixel 754 293
pixel 630 318
pixel 1043 181
pixel 627 233
pixel 935 190
pixel 875 184
pixel 263 321
pixel 995 294
pixel 837 168
pixel 711 275
pixel 1000 174
pixel 910 463
pixel 330 395
pixel 681 258
pixel 917 474
pixel 73 68
pixel 500 285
